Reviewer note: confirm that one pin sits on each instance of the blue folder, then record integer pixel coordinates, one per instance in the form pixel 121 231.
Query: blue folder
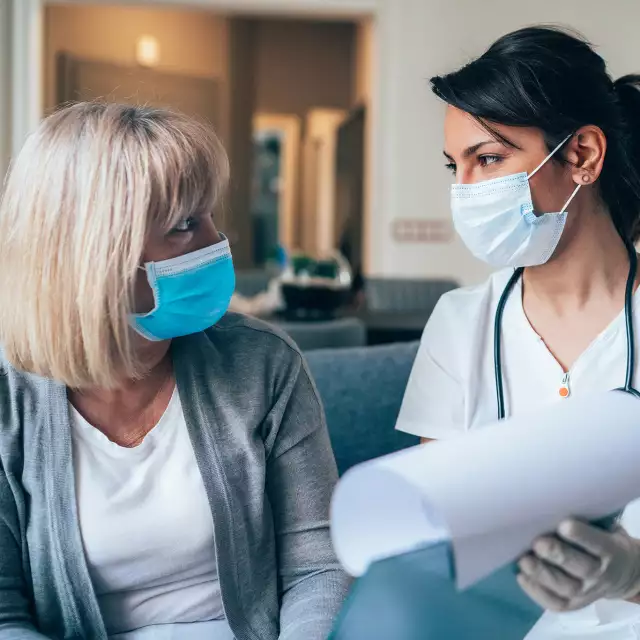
pixel 413 597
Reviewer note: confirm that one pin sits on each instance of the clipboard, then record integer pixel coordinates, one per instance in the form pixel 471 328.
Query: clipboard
pixel 413 597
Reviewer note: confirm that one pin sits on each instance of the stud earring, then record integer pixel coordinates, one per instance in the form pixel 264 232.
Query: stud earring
pixel 585 178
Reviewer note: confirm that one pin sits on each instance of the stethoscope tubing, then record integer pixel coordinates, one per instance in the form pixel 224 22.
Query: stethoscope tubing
pixel 628 313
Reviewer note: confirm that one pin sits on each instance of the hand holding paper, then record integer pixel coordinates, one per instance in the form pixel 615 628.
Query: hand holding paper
pixel 581 565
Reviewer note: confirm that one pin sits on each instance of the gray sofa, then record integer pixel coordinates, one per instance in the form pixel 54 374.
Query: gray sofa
pixel 362 390
pixel 324 334
pixel 402 295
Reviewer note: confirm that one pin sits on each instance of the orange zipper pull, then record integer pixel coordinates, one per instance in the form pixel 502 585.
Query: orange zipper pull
pixel 564 390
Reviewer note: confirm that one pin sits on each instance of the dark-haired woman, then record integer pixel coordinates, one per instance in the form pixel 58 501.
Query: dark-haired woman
pixel 545 150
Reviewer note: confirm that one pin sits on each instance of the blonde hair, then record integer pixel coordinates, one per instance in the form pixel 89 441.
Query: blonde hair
pixel 77 206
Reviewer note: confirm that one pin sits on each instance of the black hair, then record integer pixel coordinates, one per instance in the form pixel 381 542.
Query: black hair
pixel 553 80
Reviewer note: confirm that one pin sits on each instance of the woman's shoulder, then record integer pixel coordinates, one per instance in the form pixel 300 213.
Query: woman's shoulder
pixel 252 343
pixel 468 306
pixel 463 320
pixel 251 333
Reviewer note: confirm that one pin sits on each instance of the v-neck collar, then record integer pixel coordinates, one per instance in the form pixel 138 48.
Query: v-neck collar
pixel 606 335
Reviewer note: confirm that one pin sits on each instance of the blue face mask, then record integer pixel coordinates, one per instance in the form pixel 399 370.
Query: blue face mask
pixel 192 292
pixel 496 220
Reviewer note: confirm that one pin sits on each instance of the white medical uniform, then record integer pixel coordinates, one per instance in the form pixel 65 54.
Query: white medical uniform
pixel 452 390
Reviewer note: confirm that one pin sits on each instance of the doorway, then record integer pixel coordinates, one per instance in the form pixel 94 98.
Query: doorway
pixel 257 80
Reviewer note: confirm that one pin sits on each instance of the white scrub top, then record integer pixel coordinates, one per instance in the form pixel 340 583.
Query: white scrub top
pixel 452 390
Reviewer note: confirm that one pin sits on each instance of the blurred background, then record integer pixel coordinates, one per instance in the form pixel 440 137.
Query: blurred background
pixel 338 209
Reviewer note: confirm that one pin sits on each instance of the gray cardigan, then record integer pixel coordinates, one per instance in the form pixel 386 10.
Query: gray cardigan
pixel 262 447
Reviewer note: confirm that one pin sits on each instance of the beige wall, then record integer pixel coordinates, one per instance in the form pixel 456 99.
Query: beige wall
pixel 302 65
pixel 191 42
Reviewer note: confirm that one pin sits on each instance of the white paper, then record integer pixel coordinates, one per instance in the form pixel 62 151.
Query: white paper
pixel 493 491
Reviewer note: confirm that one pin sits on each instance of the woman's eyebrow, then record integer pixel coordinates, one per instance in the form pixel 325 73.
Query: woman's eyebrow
pixel 469 151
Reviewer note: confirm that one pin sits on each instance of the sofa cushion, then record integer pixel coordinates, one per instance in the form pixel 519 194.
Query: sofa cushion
pixel 362 390
pixel 335 334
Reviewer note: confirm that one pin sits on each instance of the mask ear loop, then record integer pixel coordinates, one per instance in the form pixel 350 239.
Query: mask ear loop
pixel 533 173
pixel 553 153
pixel 571 197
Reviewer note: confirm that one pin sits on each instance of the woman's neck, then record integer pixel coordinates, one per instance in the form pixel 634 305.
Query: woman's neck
pixel 126 413
pixel 592 262
pixel 571 299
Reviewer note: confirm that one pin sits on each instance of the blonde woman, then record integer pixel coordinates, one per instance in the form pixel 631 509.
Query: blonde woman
pixel 165 468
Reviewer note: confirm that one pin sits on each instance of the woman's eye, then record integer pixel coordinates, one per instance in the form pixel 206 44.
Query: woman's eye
pixel 451 166
pixel 185 225
pixel 486 160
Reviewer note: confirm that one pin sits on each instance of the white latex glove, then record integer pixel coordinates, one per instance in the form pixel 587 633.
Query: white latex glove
pixel 579 565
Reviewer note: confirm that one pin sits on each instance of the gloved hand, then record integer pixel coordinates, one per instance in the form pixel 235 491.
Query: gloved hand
pixel 579 565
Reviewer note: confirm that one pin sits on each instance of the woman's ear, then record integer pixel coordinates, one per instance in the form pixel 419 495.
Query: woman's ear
pixel 585 153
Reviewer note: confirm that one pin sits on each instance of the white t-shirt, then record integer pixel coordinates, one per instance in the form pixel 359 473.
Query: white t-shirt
pixel 147 530
pixel 452 388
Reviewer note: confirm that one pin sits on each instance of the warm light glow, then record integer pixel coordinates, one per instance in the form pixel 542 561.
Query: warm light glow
pixel 147 51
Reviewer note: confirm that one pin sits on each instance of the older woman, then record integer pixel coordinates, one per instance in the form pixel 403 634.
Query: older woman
pixel 165 469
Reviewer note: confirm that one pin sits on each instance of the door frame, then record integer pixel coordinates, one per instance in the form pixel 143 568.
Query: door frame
pixel 319 179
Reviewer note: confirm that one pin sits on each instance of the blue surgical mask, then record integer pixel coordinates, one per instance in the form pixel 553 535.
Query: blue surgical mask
pixel 496 220
pixel 191 292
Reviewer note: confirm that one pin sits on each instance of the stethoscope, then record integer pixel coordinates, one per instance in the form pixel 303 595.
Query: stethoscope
pixel 628 314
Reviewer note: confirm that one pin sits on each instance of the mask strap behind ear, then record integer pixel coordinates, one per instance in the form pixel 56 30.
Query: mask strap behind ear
pixel 533 173
pixel 571 197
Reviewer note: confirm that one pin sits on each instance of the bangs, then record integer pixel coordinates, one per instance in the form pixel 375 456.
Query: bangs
pixel 188 171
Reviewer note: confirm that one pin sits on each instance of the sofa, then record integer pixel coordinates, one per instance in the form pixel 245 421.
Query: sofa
pixel 362 390
pixel 322 334
pixel 400 295
pixel 251 282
